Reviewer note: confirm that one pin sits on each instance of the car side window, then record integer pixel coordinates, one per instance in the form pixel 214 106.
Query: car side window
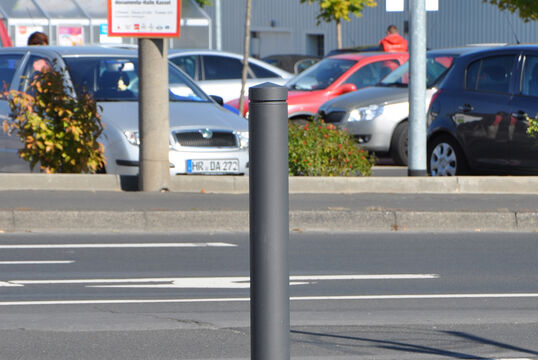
pixel 491 74
pixel 472 75
pixel 260 72
pixel 371 74
pixel 221 68
pixel 8 66
pixel 186 63
pixel 529 84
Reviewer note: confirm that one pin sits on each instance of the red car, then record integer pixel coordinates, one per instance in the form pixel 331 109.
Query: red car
pixel 334 76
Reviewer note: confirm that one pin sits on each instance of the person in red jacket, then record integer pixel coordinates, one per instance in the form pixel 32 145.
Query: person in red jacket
pixel 393 42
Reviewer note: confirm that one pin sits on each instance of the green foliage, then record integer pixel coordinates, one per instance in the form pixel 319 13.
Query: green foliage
pixel 338 10
pixel 532 130
pixel 203 3
pixel 321 149
pixel 59 131
pixel 528 9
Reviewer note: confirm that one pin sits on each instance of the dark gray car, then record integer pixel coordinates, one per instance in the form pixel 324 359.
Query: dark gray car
pixel 478 119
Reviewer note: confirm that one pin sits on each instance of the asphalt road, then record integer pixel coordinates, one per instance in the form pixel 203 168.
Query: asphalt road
pixel 353 296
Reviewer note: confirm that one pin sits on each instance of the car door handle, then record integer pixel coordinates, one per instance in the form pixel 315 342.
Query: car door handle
pixel 466 108
pixel 520 115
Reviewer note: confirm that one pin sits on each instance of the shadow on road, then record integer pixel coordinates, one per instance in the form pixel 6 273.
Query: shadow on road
pixel 321 339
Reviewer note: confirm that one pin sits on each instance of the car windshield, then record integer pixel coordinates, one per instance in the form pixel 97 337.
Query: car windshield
pixel 116 79
pixel 436 68
pixel 320 75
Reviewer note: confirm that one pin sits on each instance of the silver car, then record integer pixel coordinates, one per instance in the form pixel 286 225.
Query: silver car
pixel 205 138
pixel 219 72
pixel 377 116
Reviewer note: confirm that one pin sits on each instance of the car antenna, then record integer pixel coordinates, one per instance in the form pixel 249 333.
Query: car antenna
pixel 512 28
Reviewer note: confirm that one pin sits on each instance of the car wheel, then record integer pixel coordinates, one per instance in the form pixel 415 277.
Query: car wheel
pixel 445 157
pixel 299 121
pixel 398 144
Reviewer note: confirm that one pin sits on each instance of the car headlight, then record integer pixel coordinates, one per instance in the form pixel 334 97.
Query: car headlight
pixel 132 137
pixel 243 139
pixel 366 113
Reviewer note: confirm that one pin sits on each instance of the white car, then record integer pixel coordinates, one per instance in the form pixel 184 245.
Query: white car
pixel 205 138
pixel 219 73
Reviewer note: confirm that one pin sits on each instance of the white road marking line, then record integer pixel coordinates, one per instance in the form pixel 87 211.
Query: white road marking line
pixel 120 245
pixel 39 262
pixel 246 299
pixel 236 282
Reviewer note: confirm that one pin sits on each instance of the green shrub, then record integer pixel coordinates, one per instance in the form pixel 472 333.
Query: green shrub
pixel 59 131
pixel 320 149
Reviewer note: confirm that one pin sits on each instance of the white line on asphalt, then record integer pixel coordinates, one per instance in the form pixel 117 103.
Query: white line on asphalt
pixel 246 299
pixel 39 262
pixel 121 245
pixel 236 282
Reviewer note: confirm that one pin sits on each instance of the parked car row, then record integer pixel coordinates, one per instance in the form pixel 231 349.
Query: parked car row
pixel 205 138
pixel 331 77
pixel 481 99
pixel 377 116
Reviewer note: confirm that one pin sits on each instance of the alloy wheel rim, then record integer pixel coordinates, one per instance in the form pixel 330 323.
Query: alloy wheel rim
pixel 443 161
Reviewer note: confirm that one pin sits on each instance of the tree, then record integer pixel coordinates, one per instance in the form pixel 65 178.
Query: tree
pixel 528 9
pixel 203 3
pixel 338 10
pixel 246 51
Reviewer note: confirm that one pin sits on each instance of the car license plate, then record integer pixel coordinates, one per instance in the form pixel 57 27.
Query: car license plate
pixel 205 166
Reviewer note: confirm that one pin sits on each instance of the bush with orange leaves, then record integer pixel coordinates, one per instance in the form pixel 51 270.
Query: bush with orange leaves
pixel 319 149
pixel 58 130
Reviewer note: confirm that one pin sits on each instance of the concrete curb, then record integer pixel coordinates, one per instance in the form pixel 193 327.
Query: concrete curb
pixel 70 182
pixel 226 221
pixel 240 184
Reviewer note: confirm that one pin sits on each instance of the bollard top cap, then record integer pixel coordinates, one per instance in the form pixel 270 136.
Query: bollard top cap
pixel 268 92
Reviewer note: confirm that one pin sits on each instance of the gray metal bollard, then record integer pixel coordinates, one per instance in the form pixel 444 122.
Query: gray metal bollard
pixel 269 223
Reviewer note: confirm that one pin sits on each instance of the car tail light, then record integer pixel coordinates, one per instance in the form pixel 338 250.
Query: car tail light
pixel 430 113
pixel 434 97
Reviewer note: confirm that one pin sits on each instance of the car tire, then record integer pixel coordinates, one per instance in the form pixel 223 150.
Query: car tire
pixel 445 157
pixel 300 121
pixel 398 144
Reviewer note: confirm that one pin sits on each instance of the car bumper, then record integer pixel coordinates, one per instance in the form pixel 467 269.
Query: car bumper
pixel 376 135
pixel 228 162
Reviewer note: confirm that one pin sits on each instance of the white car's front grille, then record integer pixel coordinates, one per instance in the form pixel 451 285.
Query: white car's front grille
pixel 207 138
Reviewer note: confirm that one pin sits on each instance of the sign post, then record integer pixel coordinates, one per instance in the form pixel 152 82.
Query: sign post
pixel 416 149
pixel 152 21
pixel 417 163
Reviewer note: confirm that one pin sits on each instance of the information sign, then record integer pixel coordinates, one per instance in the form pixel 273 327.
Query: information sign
pixel 144 18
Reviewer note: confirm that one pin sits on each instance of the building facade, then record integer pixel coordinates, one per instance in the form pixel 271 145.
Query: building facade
pixel 83 22
pixel 288 26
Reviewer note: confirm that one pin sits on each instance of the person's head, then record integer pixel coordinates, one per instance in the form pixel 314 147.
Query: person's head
pixel 38 38
pixel 392 29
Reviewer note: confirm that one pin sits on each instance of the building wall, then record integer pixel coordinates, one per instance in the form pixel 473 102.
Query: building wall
pixel 457 23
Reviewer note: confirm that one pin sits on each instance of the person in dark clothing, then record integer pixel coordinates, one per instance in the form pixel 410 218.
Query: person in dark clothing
pixel 393 41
